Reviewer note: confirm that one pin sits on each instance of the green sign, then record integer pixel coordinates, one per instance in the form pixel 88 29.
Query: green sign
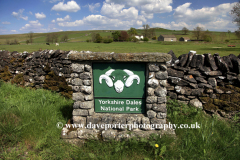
pixel 123 82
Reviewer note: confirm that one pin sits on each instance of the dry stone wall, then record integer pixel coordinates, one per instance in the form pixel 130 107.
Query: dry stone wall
pixel 205 81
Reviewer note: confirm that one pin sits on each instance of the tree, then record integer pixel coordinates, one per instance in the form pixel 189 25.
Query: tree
pixel 116 35
pixel 229 32
pixel 146 28
pixel 197 32
pixel 30 37
pixel 185 30
pixel 64 38
pixel 123 36
pixel 132 31
pixel 98 38
pixel 236 17
pixel 236 13
pixel 93 35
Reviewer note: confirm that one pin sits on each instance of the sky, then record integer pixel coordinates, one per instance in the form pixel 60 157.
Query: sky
pixel 41 16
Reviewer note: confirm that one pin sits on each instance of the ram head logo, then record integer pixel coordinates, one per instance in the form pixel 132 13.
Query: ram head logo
pixel 119 78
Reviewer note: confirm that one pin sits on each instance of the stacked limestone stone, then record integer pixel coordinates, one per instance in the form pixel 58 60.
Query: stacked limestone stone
pixel 192 78
pixel 156 93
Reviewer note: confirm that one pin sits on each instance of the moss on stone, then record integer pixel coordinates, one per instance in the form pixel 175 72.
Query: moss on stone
pixel 18 79
pixel 5 74
pixel 56 83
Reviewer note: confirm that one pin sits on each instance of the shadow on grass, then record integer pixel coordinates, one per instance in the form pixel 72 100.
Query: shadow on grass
pixel 67 111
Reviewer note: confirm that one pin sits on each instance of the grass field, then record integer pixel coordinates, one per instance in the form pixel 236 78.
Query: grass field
pixel 131 47
pixel 28 130
pixel 77 42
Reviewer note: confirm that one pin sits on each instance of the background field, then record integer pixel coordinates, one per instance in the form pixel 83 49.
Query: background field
pixel 77 41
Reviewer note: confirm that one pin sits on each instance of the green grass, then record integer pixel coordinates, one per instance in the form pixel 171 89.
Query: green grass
pixel 178 48
pixel 77 42
pixel 28 131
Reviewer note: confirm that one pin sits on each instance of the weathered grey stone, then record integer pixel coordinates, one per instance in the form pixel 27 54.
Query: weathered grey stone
pixel 151 114
pixel 193 85
pixel 200 61
pixel 76 88
pixel 161 115
pixel 91 120
pixel 174 58
pixel 230 77
pixel 208 91
pixel 190 56
pixel 160 107
pixel 134 119
pixel 178 81
pixel 149 106
pixel 161 92
pixel 91 111
pixel 78 68
pixel 82 56
pixel 86 105
pixel 79 120
pixel 153 67
pixel 86 89
pixel 141 57
pixel 119 120
pixel 146 124
pixel 174 73
pixel 205 69
pixel 87 82
pixel 76 82
pixel 212 82
pixel 183 59
pixel 151 99
pixel 161 75
pixel 201 79
pixel 87 67
pixel 209 60
pixel 153 83
pixel 68 135
pixel 109 134
pixel 107 119
pixel 163 83
pixel 85 76
pixel 162 100
pixel 213 73
pixel 80 112
pixel 236 63
pixel 219 91
pixel 184 69
pixel 76 105
pixel 150 91
pixel 197 92
pixel 182 97
pixel 228 61
pixel 172 95
pixel 196 103
pixel 204 85
pixel 194 73
pixel 189 78
pixel 88 97
pixel 78 97
pixel 220 63
pixel 88 134
pixel 74 75
pixel 162 67
pixel 158 123
pixel 151 75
